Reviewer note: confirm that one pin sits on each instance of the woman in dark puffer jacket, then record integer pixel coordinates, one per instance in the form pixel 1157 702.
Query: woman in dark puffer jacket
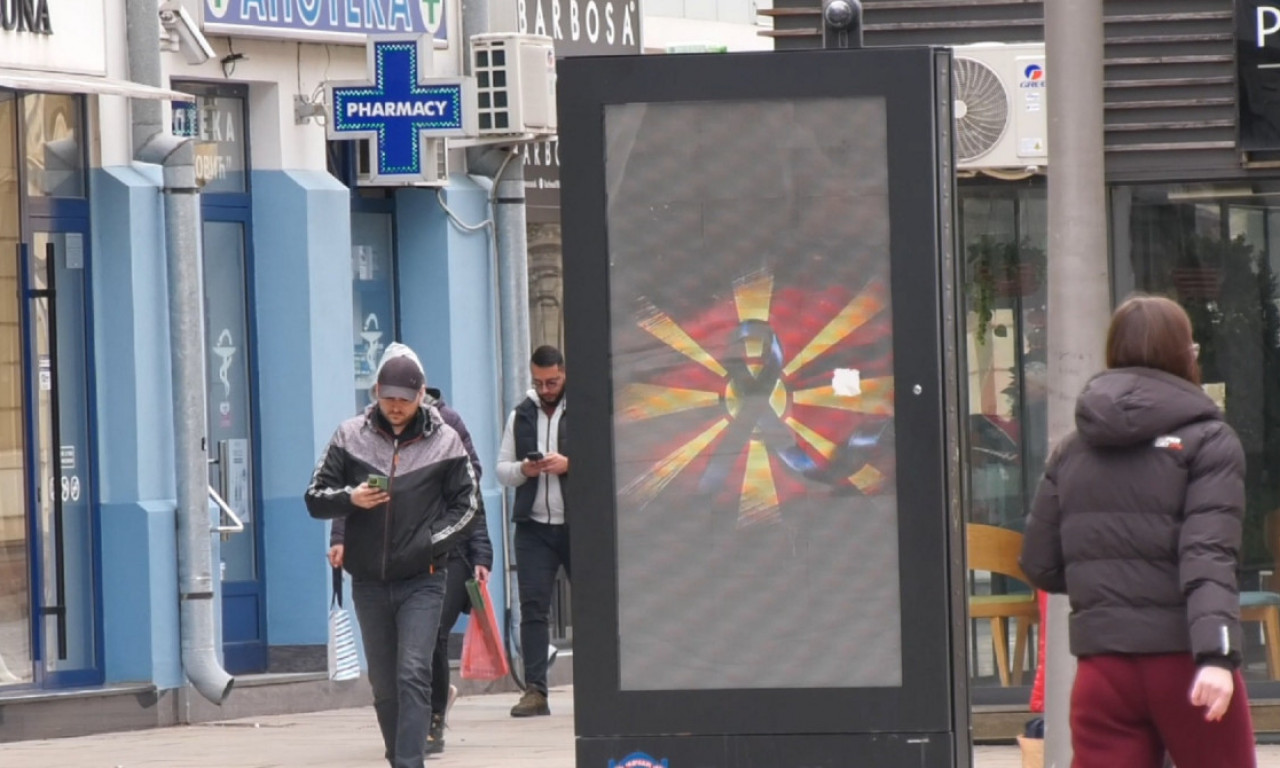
pixel 1138 521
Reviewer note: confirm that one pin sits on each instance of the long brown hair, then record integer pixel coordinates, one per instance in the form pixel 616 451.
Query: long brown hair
pixel 1152 332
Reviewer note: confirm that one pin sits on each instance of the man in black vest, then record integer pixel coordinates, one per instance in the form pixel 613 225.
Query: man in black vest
pixel 533 459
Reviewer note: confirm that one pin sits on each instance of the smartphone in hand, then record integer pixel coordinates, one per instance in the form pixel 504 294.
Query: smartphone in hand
pixel 534 456
pixel 378 482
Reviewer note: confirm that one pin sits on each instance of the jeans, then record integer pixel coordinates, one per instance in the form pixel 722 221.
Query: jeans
pixel 398 623
pixel 540 551
pixel 455 599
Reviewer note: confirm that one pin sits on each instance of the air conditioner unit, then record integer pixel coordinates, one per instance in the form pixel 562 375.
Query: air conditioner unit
pixel 435 173
pixel 1000 102
pixel 515 85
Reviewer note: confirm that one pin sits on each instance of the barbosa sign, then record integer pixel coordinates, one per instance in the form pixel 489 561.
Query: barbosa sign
pixel 583 27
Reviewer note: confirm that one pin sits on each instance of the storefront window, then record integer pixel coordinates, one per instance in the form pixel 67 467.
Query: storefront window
pixel 15 584
pixel 217 121
pixel 1003 236
pixel 374 289
pixel 55 159
pixel 1215 249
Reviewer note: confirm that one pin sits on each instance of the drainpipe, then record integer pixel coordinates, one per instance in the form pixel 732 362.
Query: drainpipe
pixel 506 201
pixel 152 144
pixel 505 166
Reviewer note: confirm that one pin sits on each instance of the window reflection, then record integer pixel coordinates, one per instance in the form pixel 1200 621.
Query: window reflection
pixel 15 601
pixel 1211 247
pixel 55 157
pixel 374 296
pixel 1003 239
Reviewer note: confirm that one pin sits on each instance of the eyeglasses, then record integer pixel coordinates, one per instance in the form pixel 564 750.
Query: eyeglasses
pixel 1195 351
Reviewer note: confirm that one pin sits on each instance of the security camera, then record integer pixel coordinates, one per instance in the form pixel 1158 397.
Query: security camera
pixel 842 23
pixel 191 41
pixel 838 14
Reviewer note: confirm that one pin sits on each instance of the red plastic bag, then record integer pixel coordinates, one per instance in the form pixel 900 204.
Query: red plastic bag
pixel 483 657
pixel 1037 690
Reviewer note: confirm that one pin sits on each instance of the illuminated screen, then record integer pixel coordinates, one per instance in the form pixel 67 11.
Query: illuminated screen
pixel 753 394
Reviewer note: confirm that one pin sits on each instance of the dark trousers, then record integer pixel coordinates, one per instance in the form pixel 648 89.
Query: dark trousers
pixel 540 551
pixel 1127 710
pixel 455 599
pixel 398 623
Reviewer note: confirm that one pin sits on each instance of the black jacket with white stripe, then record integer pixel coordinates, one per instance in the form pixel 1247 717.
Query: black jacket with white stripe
pixel 434 494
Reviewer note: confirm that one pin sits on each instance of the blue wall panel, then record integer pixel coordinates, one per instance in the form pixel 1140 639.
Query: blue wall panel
pixel 302 278
pixel 447 315
pixel 135 429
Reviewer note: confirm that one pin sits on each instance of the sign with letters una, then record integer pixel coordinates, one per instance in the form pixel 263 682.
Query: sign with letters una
pixel 326 19
pixel 1258 75
pixel 400 108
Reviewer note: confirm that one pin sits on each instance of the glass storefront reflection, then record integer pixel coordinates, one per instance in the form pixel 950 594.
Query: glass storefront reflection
pixel 1003 239
pixel 15 601
pixel 1215 249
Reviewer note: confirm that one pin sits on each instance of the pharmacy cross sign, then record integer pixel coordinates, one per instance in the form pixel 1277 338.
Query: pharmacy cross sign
pixel 401 108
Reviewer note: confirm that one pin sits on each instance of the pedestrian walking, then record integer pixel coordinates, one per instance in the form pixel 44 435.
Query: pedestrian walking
pixel 403 482
pixel 534 460
pixel 470 558
pixel 1138 520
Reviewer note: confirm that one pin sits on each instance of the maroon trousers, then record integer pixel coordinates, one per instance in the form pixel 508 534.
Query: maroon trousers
pixel 1128 710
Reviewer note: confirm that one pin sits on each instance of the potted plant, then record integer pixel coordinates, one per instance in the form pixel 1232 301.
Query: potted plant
pixel 999 268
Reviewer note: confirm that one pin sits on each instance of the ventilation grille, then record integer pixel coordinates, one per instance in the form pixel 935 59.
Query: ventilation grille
pixel 981 108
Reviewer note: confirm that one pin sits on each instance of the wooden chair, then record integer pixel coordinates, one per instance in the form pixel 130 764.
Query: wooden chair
pixel 996 550
pixel 1265 607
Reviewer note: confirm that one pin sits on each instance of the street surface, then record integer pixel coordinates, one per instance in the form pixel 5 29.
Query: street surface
pixel 482 736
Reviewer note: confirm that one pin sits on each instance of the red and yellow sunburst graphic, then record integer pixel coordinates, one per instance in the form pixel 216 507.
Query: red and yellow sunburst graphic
pixel 744 421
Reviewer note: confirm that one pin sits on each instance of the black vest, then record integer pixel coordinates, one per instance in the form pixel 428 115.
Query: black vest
pixel 525 431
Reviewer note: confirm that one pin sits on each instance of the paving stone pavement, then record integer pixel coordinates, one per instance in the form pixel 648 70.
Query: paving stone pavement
pixel 482 735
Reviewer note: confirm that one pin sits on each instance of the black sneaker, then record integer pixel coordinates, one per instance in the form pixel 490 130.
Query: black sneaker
pixel 532 704
pixel 435 735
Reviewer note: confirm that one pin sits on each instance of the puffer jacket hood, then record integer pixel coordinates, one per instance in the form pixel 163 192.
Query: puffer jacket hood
pixel 1127 406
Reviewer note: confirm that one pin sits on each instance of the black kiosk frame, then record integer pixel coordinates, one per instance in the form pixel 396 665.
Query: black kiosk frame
pixel 730 221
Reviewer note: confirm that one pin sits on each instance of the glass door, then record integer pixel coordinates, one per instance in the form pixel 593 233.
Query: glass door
pixel 16 659
pixel 230 430
pixel 60 425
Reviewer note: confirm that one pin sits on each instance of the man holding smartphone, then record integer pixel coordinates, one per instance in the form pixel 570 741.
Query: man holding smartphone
pixel 397 540
pixel 533 459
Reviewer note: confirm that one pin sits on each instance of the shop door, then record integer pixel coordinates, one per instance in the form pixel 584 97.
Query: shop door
pixel 230 409
pixel 65 631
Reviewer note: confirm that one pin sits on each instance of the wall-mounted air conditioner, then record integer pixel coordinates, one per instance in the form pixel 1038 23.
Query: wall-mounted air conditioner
pixel 1001 98
pixel 434 174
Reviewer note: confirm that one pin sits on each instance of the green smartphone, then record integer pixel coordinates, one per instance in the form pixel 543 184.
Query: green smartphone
pixel 377 481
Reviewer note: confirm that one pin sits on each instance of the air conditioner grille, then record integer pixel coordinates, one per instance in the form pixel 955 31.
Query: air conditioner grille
pixel 981 108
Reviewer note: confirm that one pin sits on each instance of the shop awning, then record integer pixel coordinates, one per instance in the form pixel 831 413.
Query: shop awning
pixel 58 82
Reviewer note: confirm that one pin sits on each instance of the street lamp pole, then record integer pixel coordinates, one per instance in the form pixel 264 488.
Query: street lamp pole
pixel 1078 277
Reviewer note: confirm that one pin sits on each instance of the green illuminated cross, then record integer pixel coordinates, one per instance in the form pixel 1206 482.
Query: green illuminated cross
pixel 433 12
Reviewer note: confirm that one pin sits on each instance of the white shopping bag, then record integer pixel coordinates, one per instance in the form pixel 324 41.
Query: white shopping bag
pixel 344 662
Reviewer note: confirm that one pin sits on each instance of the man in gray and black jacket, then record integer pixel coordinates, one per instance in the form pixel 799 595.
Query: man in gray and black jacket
pixel 400 529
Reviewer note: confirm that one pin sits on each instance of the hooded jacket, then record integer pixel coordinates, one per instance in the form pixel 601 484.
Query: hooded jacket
pixel 434 494
pixel 1138 519
pixel 476 549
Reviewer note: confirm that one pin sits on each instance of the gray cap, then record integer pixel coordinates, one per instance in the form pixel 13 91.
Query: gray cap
pixel 402 378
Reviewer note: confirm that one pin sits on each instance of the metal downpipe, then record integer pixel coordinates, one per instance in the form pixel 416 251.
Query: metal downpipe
pixel 152 144
pixel 186 339
pixel 506 199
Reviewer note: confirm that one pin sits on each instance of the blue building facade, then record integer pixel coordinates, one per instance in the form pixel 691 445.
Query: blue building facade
pixel 306 276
